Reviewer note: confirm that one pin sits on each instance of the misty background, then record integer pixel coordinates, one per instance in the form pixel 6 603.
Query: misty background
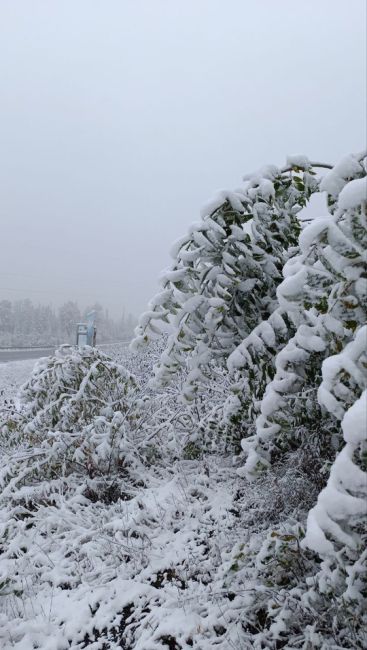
pixel 119 119
pixel 25 324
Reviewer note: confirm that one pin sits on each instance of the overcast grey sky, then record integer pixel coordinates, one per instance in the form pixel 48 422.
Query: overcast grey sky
pixel 120 118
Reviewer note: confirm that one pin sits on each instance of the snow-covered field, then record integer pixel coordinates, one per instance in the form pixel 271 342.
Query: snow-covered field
pixel 12 375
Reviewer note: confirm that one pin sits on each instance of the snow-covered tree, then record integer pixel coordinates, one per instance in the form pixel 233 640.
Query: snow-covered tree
pixel 324 295
pixel 6 320
pixel 69 316
pixel 226 271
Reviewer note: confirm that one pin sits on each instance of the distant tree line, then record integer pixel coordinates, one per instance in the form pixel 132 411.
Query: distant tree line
pixel 23 323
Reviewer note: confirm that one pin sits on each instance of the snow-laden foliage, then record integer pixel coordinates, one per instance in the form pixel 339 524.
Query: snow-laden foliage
pixel 67 391
pixel 74 428
pixel 337 525
pixel 324 293
pixel 127 521
pixel 226 271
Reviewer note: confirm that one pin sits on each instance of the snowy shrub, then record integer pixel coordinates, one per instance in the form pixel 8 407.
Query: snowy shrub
pixel 75 428
pixel 320 373
pixel 337 525
pixel 66 391
pixel 225 275
pixel 324 293
pixel 277 399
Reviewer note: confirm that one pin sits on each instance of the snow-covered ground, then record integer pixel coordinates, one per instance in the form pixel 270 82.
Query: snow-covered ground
pixel 152 571
pixel 12 375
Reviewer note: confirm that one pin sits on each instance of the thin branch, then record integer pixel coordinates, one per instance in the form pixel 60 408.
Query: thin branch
pixel 312 164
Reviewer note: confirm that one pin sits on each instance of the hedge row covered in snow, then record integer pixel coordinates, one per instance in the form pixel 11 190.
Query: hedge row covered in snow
pixel 209 488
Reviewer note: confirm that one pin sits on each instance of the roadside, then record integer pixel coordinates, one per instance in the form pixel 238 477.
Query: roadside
pixel 22 354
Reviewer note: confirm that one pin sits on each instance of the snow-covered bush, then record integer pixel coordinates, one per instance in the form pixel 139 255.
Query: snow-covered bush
pixel 324 294
pixel 320 373
pixel 75 427
pixel 66 391
pixel 337 525
pixel 292 330
pixel 226 271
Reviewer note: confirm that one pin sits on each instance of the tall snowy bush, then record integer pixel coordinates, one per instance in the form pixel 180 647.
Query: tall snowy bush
pixel 226 271
pixel 337 525
pixel 324 294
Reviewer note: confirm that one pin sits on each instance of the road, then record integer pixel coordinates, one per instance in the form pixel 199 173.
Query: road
pixel 20 355
pixel 36 353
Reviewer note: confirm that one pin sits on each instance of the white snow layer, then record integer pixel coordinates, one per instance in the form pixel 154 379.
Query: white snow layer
pixel 298 160
pixel 334 181
pixel 353 193
pixel 345 495
pixel 354 423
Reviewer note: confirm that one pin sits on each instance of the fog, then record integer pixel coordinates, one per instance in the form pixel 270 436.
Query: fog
pixel 119 119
